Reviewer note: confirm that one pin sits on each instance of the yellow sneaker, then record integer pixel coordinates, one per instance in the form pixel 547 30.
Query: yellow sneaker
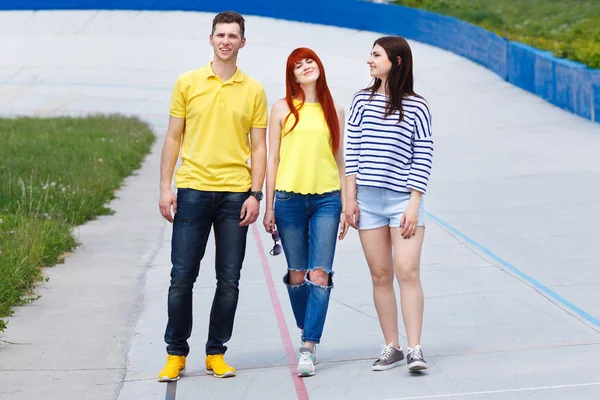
pixel 173 370
pixel 216 365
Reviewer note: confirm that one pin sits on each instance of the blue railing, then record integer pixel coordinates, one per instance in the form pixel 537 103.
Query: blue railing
pixel 566 84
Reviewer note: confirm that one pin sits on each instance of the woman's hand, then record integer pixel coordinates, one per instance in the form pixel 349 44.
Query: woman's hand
pixel 410 220
pixel 343 226
pixel 352 213
pixel 269 221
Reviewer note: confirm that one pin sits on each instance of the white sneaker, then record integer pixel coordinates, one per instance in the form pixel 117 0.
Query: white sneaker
pixel 306 363
pixel 314 351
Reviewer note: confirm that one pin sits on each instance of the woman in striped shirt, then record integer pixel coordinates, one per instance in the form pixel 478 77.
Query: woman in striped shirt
pixel 388 161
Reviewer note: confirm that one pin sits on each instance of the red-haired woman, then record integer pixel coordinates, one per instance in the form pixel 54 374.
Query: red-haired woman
pixel 305 174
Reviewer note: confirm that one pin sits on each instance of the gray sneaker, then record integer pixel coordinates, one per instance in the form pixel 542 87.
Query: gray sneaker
pixel 391 357
pixel 306 363
pixel 415 360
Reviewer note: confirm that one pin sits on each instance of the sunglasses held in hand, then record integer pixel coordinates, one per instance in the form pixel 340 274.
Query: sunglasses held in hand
pixel 276 250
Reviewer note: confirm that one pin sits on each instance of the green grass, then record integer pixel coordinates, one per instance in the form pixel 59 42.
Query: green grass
pixel 568 28
pixel 56 174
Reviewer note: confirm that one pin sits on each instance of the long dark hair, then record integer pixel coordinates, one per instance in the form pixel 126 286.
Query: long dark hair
pixel 400 80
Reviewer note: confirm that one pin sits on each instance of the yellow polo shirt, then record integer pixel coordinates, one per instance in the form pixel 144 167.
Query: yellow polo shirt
pixel 218 116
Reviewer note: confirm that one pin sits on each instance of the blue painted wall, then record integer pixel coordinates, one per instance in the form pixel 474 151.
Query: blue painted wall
pixel 568 85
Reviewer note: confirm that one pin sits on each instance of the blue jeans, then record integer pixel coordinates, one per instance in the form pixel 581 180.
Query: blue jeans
pixel 308 227
pixel 197 212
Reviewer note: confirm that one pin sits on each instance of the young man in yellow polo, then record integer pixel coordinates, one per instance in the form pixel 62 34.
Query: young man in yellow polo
pixel 218 116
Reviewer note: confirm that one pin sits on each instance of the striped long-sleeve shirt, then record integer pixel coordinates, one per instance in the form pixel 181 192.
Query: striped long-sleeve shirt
pixel 385 153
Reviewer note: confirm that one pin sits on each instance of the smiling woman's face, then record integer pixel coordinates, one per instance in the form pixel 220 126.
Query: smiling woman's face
pixel 306 71
pixel 379 63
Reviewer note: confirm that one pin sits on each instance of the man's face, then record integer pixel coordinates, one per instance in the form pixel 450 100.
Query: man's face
pixel 227 41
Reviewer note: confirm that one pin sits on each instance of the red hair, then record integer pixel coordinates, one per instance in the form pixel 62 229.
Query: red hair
pixel 294 90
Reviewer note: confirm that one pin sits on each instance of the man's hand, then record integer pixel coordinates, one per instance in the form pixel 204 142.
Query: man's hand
pixel 250 211
pixel 166 201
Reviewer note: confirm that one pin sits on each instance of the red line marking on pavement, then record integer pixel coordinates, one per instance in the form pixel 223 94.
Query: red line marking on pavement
pixel 283 330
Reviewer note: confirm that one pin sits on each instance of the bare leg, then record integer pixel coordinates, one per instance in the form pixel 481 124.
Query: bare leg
pixel 377 246
pixel 407 260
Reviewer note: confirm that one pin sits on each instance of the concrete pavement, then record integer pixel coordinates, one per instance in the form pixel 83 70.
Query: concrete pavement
pixel 509 266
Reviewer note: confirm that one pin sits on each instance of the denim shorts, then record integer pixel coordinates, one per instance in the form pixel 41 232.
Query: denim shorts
pixel 383 207
pixel 308 226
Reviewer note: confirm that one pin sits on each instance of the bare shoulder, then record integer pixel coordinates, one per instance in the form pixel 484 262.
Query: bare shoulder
pixel 279 109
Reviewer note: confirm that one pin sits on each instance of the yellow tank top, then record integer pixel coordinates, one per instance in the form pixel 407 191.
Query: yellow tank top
pixel 306 161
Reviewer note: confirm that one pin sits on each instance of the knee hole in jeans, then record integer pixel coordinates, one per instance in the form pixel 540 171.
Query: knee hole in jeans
pixel 320 277
pixel 295 277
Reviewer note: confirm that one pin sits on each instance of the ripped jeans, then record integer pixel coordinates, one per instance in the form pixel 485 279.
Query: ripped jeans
pixel 308 226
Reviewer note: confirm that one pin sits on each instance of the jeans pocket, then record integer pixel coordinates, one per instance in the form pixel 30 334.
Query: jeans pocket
pixel 282 196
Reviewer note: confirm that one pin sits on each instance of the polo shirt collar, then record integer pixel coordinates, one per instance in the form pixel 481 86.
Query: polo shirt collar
pixel 237 77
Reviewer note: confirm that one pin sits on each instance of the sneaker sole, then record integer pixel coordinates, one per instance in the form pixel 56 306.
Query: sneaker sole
pixel 387 367
pixel 228 374
pixel 167 379
pixel 304 374
pixel 417 366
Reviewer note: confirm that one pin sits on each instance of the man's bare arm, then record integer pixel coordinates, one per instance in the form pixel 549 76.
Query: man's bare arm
pixel 258 140
pixel 168 160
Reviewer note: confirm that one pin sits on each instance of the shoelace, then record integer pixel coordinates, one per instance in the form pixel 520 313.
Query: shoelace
pixel 386 351
pixel 417 353
pixel 306 356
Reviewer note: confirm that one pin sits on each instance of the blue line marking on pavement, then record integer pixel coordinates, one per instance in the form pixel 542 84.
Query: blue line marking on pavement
pixel 539 286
